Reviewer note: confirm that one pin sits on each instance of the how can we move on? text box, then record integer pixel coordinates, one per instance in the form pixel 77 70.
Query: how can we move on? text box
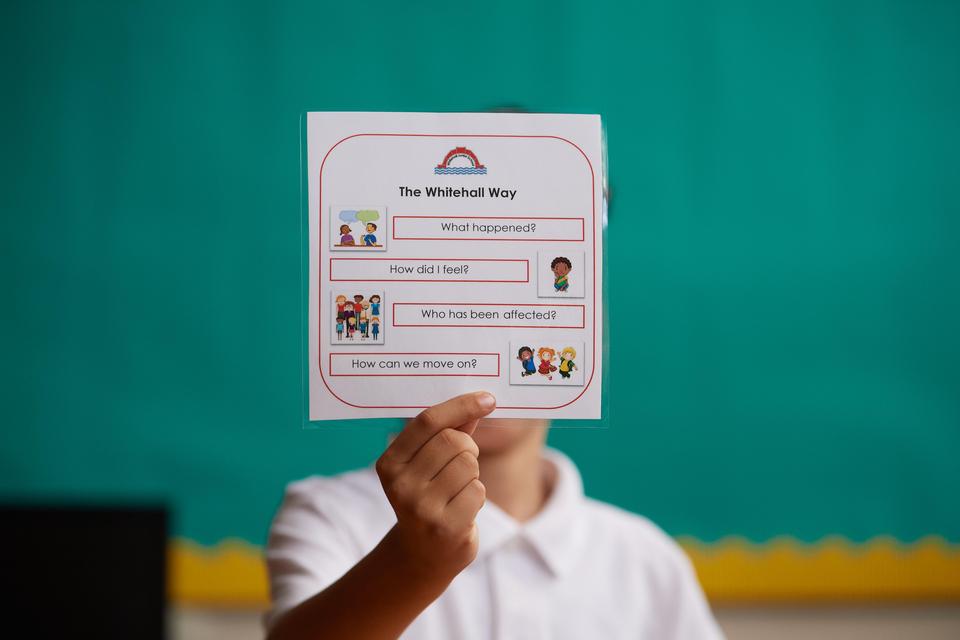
pixel 483 365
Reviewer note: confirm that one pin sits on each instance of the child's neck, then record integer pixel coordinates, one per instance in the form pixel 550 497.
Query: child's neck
pixel 517 478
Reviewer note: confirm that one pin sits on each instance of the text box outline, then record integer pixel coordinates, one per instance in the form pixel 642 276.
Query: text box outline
pixel 409 375
pixel 460 260
pixel 583 315
pixel 583 230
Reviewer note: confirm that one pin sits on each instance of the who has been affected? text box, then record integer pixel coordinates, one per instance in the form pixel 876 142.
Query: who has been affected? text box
pixel 469 314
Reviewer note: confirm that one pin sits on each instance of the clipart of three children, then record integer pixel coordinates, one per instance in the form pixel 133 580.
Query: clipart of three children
pixel 547 355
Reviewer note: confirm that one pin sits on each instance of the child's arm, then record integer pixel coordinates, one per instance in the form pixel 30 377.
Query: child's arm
pixel 430 476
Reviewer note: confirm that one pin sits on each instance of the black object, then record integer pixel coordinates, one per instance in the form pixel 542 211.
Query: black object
pixel 84 572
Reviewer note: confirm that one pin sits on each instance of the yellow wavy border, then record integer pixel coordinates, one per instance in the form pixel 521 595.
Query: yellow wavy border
pixel 231 573
pixel 732 571
pixel 832 570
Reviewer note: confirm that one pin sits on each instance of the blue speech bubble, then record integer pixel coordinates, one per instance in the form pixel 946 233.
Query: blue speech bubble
pixel 348 215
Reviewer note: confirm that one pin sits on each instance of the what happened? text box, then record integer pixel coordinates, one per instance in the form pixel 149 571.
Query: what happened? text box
pixel 429 270
pixel 353 364
pixel 503 228
pixel 469 314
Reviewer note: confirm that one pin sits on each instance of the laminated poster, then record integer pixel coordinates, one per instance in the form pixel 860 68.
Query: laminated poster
pixel 451 253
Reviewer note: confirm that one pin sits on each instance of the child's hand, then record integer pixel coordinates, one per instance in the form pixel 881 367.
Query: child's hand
pixel 430 475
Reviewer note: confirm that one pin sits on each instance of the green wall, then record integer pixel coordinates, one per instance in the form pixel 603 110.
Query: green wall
pixel 784 290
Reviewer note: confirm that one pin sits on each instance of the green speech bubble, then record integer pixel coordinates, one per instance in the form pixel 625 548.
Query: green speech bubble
pixel 368 215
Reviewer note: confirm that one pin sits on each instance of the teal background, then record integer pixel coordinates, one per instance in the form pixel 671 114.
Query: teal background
pixel 783 257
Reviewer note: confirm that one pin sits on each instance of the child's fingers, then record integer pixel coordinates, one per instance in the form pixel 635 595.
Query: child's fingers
pixel 462 510
pixel 456 412
pixel 440 450
pixel 469 427
pixel 425 501
pixel 457 474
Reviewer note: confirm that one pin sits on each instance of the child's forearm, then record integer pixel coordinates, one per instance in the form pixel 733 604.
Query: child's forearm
pixel 430 476
pixel 376 600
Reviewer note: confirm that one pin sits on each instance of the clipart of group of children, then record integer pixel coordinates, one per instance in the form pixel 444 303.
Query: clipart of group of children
pixel 547 356
pixel 358 319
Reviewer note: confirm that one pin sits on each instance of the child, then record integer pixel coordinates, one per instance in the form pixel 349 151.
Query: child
pixel 366 315
pixel 346 239
pixel 348 313
pixel 566 362
pixel 351 326
pixel 546 355
pixel 561 267
pixel 375 326
pixel 339 328
pixel 525 356
pixel 370 240
pixel 488 536
pixel 375 305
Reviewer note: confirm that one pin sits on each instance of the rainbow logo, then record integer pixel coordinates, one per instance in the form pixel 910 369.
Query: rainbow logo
pixel 457 155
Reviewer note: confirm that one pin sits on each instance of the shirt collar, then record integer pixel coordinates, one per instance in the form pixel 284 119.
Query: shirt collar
pixel 556 533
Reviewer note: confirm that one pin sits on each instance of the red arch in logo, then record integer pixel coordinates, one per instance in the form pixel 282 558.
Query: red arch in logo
pixel 460 152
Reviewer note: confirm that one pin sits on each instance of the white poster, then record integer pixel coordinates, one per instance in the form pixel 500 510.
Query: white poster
pixel 453 253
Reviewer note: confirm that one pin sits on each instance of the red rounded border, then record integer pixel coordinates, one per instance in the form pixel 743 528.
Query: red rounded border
pixel 593 207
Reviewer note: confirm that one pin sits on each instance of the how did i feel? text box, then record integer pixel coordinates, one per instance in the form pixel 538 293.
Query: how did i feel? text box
pixel 429 270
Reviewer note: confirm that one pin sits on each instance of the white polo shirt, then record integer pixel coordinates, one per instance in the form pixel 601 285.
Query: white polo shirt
pixel 580 569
